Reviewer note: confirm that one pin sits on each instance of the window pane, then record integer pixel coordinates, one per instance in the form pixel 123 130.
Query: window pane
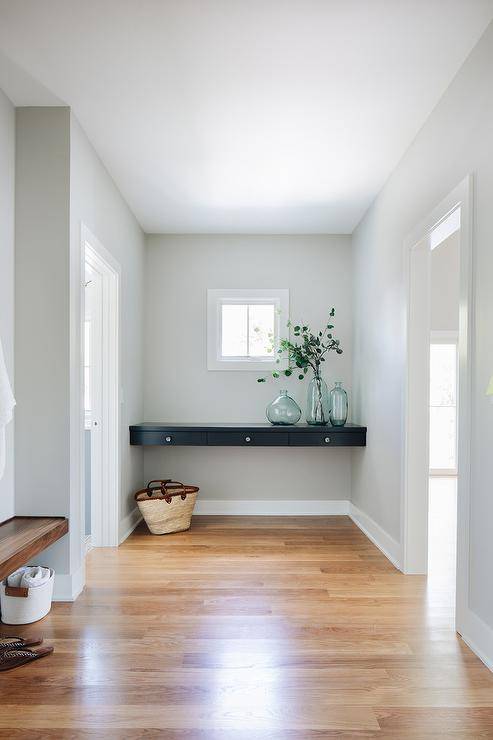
pixel 443 370
pixel 261 330
pixel 87 389
pixel 442 437
pixel 234 330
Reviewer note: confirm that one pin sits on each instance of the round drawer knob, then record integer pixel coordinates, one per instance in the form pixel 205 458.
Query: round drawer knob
pixel 327 440
pixel 167 439
pixel 248 439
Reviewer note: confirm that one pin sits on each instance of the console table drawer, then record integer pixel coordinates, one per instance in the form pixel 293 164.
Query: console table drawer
pixel 168 438
pixel 248 439
pixel 246 435
pixel 326 439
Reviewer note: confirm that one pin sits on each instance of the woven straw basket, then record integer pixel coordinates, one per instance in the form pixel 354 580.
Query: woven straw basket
pixel 166 505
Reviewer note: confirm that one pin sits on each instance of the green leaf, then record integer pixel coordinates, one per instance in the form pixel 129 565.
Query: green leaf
pixel 301 377
pixel 297 328
pixel 275 374
pixel 260 380
pixel 288 372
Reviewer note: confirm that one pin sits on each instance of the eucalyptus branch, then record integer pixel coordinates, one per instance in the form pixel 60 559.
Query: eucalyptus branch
pixel 309 352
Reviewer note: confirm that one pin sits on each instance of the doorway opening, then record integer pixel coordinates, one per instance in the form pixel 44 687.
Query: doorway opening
pixel 443 409
pixel 435 511
pixel 101 394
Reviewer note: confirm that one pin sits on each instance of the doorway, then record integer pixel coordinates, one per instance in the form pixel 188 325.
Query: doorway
pixel 444 422
pixel 101 394
pixel 440 418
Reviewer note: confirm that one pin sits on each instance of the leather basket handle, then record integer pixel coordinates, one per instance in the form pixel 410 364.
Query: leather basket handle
pixel 160 485
pixel 20 591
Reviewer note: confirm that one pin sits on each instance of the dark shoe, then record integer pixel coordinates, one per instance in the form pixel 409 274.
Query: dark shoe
pixel 14 658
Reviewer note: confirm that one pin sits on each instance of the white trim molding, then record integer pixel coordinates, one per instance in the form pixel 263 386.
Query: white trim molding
pixel 415 452
pixel 261 507
pixel 128 524
pixel 217 298
pixel 106 440
pixel 68 586
pixel 478 636
pixel 382 539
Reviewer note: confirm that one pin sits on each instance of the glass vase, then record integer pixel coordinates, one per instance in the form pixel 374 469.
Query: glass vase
pixel 338 405
pixel 283 410
pixel 318 404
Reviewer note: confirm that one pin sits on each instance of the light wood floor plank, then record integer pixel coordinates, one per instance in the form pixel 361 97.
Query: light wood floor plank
pixel 250 628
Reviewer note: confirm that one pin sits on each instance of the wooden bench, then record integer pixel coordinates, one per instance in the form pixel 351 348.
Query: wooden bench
pixel 23 537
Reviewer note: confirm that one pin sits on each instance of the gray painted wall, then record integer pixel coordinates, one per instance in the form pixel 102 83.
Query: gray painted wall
pixel 96 202
pixel 60 184
pixel 456 140
pixel 178 387
pixel 42 326
pixel 7 191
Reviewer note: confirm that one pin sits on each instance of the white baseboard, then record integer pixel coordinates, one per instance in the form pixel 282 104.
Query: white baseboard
pixel 69 585
pixel 128 524
pixel 390 547
pixel 479 637
pixel 260 507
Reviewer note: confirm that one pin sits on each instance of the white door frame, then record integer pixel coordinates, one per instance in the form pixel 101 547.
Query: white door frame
pixel 414 509
pixel 105 507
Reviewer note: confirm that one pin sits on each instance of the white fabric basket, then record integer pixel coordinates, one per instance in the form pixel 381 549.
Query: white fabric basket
pixel 26 605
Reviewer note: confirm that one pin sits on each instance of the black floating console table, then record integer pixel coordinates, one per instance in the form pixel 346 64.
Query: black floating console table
pixel 247 435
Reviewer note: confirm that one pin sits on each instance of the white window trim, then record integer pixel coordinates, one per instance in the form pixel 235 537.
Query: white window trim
pixel 215 299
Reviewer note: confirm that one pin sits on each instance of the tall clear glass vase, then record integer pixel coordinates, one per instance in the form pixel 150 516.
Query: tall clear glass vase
pixel 338 405
pixel 318 404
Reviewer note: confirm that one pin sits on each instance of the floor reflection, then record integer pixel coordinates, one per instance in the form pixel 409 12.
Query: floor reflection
pixel 442 534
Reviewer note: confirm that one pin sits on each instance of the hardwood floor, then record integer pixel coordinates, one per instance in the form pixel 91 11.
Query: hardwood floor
pixel 250 628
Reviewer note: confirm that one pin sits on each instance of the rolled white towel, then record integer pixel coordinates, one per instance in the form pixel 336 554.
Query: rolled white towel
pixel 14 579
pixel 29 576
pixel 35 576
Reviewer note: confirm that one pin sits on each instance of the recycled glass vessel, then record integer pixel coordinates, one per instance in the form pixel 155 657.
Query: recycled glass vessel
pixel 283 410
pixel 338 405
pixel 318 404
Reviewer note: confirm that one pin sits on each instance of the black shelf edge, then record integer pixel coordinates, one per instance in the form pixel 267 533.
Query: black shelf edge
pixel 243 435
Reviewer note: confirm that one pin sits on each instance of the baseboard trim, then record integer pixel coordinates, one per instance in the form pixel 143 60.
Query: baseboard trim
pixel 68 586
pixel 385 543
pixel 128 524
pixel 479 637
pixel 260 507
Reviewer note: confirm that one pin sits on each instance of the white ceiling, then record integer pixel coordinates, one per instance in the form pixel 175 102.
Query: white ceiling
pixel 259 116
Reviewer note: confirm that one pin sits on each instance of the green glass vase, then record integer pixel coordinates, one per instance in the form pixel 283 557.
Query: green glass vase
pixel 283 410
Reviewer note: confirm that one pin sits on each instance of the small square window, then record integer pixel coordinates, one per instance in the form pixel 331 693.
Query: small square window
pixel 244 328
